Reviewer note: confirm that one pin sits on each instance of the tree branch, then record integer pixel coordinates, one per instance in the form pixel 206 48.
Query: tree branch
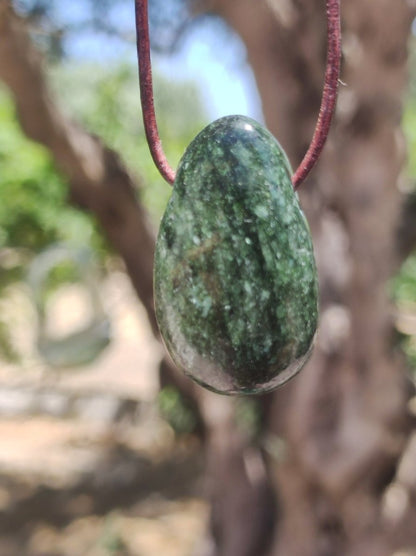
pixel 97 178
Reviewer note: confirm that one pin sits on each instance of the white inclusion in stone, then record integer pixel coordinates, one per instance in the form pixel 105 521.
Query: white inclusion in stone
pixel 248 287
pixel 264 295
pixel 261 211
pixel 206 306
pixel 248 127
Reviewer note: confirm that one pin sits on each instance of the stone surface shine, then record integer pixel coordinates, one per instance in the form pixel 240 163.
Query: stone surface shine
pixel 235 276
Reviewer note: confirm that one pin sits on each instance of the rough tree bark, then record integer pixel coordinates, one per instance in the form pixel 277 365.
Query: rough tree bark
pixel 334 471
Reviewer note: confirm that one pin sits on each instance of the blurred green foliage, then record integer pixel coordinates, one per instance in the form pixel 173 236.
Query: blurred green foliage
pixel 404 295
pixel 174 409
pixel 249 416
pixel 106 101
pixel 404 283
pixel 34 209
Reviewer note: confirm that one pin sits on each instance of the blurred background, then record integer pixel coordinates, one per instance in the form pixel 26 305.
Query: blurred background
pixel 105 449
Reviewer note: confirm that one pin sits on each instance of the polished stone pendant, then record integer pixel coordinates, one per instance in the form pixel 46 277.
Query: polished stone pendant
pixel 235 277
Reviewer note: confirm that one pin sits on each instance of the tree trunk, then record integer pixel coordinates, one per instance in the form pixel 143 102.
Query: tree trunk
pixel 344 420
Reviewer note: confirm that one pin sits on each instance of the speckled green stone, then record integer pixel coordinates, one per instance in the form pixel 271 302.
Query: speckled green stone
pixel 235 277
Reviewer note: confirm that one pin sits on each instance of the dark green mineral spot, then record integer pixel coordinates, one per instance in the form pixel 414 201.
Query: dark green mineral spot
pixel 235 276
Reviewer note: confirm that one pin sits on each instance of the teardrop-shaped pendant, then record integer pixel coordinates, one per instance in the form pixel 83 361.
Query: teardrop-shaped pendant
pixel 235 276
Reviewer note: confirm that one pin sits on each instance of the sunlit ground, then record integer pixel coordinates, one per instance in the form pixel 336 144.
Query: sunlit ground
pixel 87 464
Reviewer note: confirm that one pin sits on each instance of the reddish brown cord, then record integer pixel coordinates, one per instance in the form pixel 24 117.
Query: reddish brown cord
pixel 326 112
pixel 146 92
pixel 329 95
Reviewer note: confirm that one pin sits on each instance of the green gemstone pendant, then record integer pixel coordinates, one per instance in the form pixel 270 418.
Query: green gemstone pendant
pixel 235 277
